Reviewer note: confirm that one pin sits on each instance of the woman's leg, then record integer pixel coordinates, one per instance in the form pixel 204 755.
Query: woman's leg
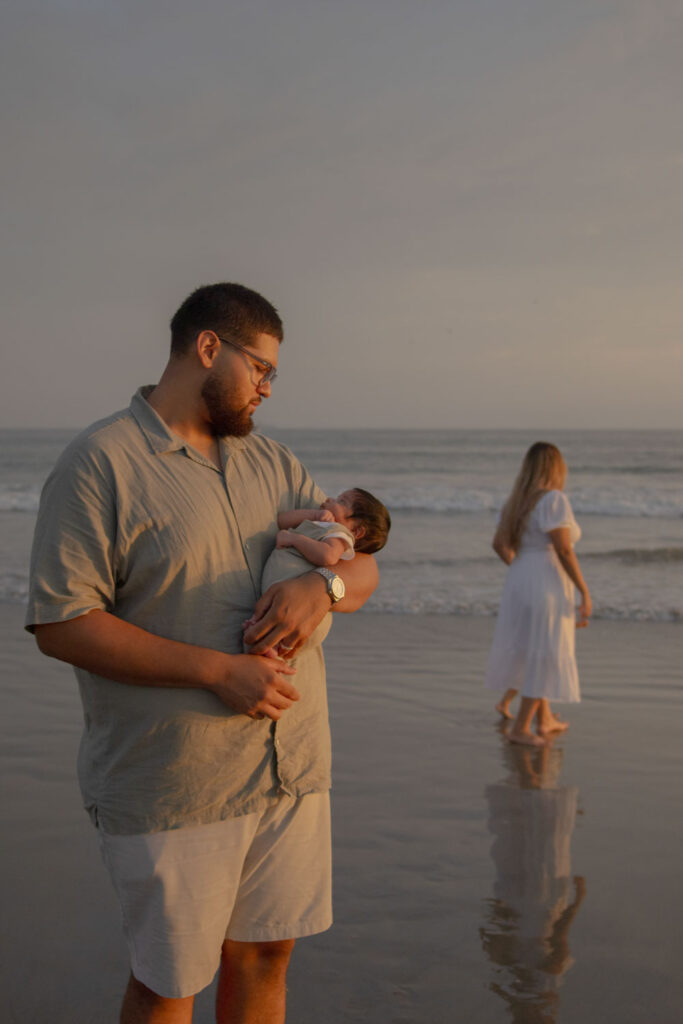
pixel 503 705
pixel 521 729
pixel 546 721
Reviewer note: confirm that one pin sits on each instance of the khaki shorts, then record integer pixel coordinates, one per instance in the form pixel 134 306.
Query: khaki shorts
pixel 256 878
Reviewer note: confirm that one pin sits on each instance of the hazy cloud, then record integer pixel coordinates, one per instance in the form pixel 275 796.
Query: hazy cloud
pixel 468 213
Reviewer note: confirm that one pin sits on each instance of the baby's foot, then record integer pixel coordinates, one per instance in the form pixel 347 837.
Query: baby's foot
pixel 504 710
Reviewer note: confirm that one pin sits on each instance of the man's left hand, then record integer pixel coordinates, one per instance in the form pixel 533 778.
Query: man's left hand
pixel 287 614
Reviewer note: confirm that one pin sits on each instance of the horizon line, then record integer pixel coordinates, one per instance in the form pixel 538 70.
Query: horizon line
pixel 360 429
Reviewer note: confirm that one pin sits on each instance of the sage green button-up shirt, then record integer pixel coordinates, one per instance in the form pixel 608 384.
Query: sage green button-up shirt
pixel 136 522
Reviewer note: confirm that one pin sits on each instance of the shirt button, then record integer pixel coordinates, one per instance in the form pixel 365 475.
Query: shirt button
pixel 247 545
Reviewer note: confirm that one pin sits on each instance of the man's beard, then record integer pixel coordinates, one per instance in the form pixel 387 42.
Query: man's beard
pixel 225 421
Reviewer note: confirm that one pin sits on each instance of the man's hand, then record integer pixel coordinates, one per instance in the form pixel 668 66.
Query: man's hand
pixel 287 614
pixel 100 642
pixel 257 686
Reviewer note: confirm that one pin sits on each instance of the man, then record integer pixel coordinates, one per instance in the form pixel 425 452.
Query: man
pixel 205 770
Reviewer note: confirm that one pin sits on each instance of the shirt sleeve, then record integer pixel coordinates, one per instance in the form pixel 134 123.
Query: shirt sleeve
pixel 72 557
pixel 309 494
pixel 554 511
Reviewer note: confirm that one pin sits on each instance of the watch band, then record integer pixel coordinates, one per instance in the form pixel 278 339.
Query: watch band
pixel 335 584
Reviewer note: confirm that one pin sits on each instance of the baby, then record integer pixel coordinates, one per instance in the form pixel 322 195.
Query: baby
pixel 355 521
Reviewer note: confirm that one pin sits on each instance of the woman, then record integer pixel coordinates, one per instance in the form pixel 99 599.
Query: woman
pixel 533 643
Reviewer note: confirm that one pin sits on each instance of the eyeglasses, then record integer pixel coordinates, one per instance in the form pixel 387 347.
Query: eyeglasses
pixel 269 371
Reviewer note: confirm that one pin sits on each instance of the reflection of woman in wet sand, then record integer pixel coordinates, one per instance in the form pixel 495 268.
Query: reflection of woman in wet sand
pixel 526 933
pixel 533 644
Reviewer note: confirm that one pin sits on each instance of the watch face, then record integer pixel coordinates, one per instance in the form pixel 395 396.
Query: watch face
pixel 337 588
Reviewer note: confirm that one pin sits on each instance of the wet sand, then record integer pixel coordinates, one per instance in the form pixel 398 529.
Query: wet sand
pixel 474 881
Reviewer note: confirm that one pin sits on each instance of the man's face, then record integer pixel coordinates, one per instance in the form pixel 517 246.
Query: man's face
pixel 233 389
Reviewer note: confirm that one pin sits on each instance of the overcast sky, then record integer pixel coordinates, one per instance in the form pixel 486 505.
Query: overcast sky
pixel 469 214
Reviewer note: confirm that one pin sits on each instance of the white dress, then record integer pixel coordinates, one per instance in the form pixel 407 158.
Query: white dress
pixel 533 643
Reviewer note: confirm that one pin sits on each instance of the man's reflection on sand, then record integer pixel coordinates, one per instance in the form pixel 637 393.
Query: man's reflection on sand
pixel 526 930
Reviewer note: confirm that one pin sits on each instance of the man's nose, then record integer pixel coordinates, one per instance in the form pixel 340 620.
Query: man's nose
pixel 264 388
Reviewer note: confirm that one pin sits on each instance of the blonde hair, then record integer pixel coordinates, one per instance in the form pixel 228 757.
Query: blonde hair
pixel 543 469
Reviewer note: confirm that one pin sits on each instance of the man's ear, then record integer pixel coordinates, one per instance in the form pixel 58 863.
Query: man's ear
pixel 207 347
pixel 358 532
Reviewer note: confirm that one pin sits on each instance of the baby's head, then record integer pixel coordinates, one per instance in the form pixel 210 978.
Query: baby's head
pixel 364 515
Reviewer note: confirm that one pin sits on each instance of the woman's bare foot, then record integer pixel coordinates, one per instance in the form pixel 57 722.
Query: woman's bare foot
pixel 527 738
pixel 554 725
pixel 504 710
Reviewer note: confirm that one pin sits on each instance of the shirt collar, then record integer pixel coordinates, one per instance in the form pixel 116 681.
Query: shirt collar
pixel 158 435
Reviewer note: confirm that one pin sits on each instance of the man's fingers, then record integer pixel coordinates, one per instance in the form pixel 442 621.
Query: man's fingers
pixel 288 653
pixel 283 667
pixel 273 706
pixel 274 621
pixel 263 634
pixel 283 636
pixel 288 691
pixel 261 609
pixel 272 638
pixel 288 646
pixel 280 694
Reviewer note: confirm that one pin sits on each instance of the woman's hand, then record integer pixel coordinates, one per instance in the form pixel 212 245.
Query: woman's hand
pixel 585 610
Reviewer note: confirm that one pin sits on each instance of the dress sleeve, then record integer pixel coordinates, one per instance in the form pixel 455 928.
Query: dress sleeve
pixel 554 511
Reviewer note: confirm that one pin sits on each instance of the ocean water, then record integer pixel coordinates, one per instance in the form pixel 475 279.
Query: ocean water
pixel 443 489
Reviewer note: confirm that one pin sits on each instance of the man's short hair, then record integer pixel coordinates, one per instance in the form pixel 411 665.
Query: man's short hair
pixel 228 309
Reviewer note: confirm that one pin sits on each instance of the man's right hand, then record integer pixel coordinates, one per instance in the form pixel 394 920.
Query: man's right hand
pixel 100 642
pixel 257 686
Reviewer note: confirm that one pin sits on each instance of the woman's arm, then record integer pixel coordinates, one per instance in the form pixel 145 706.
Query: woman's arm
pixel 502 550
pixel 561 539
pixel 294 517
pixel 327 551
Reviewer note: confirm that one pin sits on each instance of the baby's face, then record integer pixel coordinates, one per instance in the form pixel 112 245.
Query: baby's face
pixel 341 508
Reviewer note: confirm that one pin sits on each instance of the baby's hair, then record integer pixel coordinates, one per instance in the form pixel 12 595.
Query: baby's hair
pixel 374 517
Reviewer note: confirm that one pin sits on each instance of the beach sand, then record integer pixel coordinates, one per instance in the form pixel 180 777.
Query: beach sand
pixel 455 854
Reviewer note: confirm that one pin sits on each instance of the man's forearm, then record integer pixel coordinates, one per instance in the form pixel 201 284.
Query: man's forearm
pixel 106 645
pixel 289 611
pixel 360 577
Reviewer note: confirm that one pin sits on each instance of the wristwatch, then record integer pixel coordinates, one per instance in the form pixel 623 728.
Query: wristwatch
pixel 335 584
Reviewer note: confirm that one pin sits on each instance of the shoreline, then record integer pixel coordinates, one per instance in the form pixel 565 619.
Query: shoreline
pixel 421 775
